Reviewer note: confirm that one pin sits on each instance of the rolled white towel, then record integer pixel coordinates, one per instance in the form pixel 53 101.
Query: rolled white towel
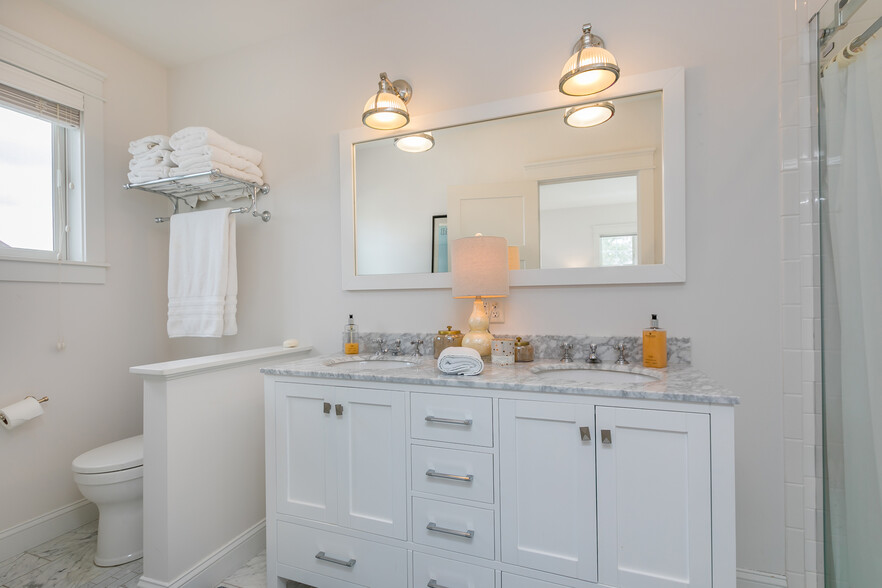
pixel 145 144
pixel 152 158
pixel 463 361
pixel 210 165
pixel 206 153
pixel 192 137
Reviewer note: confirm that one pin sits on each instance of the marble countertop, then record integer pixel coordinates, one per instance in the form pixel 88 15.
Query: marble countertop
pixel 676 383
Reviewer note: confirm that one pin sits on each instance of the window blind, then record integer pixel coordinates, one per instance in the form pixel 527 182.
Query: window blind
pixel 39 107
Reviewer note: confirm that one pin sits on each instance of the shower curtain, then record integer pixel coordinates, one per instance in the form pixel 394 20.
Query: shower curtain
pixel 851 94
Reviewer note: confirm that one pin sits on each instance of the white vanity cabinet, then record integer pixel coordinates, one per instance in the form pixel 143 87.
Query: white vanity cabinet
pixel 395 484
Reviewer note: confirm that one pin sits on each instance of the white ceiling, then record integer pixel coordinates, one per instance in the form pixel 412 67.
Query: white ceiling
pixel 179 32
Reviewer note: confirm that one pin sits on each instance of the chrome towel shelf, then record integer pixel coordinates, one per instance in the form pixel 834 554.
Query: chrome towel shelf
pixel 212 182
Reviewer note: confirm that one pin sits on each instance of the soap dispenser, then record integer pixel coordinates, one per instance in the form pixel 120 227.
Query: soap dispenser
pixel 655 345
pixel 350 337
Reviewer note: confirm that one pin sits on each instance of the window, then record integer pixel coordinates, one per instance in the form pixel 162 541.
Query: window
pixel 34 168
pixel 51 165
pixel 618 250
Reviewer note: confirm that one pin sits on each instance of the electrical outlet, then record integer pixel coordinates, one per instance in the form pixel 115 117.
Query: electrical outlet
pixel 495 311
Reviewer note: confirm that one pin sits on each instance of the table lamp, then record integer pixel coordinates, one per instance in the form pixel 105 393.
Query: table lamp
pixel 479 266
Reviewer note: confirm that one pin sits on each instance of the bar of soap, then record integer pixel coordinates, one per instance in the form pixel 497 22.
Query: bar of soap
pixel 290 343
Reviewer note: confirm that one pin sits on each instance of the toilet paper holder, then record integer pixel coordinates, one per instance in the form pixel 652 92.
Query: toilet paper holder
pixel 40 400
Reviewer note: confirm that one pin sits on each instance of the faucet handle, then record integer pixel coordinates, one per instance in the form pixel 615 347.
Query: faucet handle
pixel 417 350
pixel 566 348
pixel 381 346
pixel 621 360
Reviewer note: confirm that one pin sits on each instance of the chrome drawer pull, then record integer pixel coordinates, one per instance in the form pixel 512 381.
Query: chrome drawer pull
pixel 437 529
pixel 346 564
pixel 434 474
pixel 465 422
pixel 434 584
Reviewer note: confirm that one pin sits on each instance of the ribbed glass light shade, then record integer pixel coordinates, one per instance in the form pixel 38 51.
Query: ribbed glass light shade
pixel 589 115
pixel 385 111
pixel 588 71
pixel 416 143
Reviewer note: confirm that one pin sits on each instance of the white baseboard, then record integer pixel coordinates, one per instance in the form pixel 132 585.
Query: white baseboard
pixel 220 564
pixel 24 536
pixel 754 579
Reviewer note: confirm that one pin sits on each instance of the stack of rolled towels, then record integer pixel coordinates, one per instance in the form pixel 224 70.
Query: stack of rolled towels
pixel 151 159
pixel 193 150
pixel 461 361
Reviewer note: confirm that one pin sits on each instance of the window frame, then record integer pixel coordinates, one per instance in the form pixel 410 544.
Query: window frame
pixel 40 70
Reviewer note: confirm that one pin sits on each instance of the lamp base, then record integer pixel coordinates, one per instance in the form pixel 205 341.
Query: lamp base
pixel 478 337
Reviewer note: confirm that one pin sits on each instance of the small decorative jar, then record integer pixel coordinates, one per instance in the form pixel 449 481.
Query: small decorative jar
pixel 523 350
pixel 447 338
pixel 502 351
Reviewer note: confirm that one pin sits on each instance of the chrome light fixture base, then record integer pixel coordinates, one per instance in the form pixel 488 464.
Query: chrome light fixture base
pixel 590 68
pixel 386 109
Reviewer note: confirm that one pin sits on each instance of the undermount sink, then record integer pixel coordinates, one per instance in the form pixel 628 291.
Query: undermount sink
pixel 363 363
pixel 591 375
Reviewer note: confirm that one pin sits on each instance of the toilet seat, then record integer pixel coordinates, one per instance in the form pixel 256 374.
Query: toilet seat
pixel 118 456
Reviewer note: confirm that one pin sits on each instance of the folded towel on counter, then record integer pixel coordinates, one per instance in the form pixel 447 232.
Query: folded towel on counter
pixel 146 174
pixel 145 144
pixel 208 153
pixel 202 274
pixel 463 361
pixel 205 166
pixel 193 137
pixel 154 157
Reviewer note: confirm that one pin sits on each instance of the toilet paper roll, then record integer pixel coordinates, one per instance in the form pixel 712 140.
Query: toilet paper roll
pixel 20 412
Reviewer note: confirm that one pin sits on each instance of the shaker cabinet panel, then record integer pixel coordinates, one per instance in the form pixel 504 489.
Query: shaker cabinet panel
pixel 305 447
pixel 654 498
pixel 547 487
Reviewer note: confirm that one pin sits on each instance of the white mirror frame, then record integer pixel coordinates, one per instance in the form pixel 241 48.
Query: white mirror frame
pixel 672 84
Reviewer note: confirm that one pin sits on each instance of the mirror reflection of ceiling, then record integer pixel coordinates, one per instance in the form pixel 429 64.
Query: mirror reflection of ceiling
pixel 495 167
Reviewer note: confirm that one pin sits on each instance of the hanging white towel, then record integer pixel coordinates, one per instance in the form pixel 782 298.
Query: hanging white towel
pixel 202 274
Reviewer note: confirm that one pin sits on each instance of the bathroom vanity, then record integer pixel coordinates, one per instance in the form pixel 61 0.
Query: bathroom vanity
pixel 538 475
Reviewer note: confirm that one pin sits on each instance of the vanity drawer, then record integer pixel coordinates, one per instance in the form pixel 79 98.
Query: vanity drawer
pixel 465 529
pixel 452 472
pixel 513 581
pixel 346 558
pixel 449 574
pixel 454 419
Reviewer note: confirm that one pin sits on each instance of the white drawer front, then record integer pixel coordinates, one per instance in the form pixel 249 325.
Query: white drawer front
pixel 452 472
pixel 513 581
pixel 447 573
pixel 465 529
pixel 345 558
pixel 454 419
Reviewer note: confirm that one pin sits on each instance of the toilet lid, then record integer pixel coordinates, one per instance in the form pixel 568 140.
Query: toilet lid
pixel 119 455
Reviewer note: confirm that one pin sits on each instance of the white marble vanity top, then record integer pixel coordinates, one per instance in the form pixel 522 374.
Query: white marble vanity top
pixel 676 383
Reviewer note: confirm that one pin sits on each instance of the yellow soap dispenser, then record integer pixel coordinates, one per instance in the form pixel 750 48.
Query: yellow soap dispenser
pixel 655 345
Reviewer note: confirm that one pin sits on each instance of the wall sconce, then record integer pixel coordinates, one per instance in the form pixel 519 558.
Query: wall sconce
pixel 590 69
pixel 589 115
pixel 417 143
pixel 386 109
pixel 479 267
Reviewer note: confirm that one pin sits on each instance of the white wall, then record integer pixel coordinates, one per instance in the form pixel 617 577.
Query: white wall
pixel 107 328
pixel 292 95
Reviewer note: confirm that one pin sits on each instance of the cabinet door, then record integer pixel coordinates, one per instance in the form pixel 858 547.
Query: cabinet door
pixel 547 487
pixel 371 461
pixel 305 472
pixel 653 498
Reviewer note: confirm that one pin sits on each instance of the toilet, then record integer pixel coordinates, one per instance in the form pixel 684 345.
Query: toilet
pixel 111 476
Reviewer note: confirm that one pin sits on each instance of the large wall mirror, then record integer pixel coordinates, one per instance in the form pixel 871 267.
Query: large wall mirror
pixel 597 205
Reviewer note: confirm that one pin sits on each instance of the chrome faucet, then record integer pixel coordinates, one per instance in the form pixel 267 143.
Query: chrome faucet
pixel 396 351
pixel 417 350
pixel 621 360
pixel 567 357
pixel 382 349
pixel 592 355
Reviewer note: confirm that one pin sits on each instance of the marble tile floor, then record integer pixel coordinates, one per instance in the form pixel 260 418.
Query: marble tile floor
pixel 66 562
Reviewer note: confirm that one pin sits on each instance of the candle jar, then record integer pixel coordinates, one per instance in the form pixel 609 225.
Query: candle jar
pixel 523 350
pixel 447 338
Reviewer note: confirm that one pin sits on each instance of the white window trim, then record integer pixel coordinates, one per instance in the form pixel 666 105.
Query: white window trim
pixel 30 58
